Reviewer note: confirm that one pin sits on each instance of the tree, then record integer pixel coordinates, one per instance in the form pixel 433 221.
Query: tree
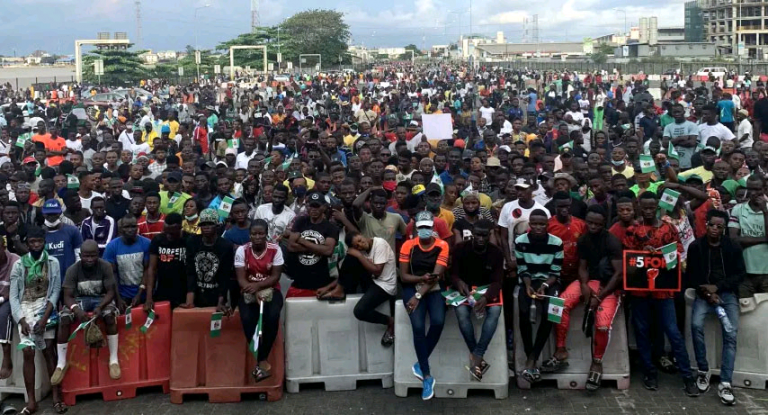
pixel 122 67
pixel 315 32
pixel 255 57
pixel 605 49
pixel 207 62
pixel 598 58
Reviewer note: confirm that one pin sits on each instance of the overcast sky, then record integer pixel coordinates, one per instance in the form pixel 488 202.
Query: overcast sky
pixel 53 25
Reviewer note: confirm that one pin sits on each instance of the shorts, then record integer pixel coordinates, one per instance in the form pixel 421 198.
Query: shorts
pixel 31 312
pixel 6 323
pixel 88 304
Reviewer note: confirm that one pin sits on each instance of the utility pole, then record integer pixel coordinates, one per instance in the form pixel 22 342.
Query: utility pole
pixel 138 22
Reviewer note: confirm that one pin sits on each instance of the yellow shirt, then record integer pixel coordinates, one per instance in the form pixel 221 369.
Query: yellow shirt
pixel 485 201
pixel 628 172
pixel 349 140
pixel 705 174
pixel 191 228
pixel 310 183
pixel 448 217
pixel 149 138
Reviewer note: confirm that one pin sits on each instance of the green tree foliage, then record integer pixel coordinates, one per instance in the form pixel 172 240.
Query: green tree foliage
pixel 255 57
pixel 121 67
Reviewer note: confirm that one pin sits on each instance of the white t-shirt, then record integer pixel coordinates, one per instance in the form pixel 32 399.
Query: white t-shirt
pixel 75 145
pixel 487 113
pixel 512 214
pixel 5 150
pixel 745 127
pixel 241 162
pixel 577 117
pixel 86 203
pixel 718 130
pixel 140 148
pixel 277 223
pixel 381 253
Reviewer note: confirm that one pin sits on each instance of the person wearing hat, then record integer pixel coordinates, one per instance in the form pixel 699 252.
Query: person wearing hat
pixel 210 265
pixel 311 243
pixel 423 262
pixel 744 130
pixel 62 240
pixel 708 156
pixel 172 199
pixel 513 213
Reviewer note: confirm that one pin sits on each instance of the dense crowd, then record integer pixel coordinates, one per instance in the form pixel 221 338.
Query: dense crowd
pixel 206 197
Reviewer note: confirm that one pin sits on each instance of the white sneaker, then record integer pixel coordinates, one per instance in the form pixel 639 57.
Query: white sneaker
pixel 725 392
pixel 702 381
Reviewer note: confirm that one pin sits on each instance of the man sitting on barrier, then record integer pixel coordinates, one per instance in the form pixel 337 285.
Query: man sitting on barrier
pixel 258 265
pixel 478 263
pixel 89 286
pixel 600 275
pixel 423 261
pixel 35 288
pixel 539 258
pixel 715 269
pixel 7 260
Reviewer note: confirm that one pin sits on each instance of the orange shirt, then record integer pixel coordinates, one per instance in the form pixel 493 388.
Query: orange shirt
pixel 569 233
pixel 52 144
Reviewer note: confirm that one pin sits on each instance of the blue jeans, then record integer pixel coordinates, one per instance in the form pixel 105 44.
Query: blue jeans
pixel 665 313
pixel 424 342
pixel 464 316
pixel 700 310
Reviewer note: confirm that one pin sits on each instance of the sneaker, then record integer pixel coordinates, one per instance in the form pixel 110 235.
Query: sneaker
pixel 651 382
pixel 702 381
pixel 417 372
pixel 114 371
pixel 690 387
pixel 429 389
pixel 58 375
pixel 725 392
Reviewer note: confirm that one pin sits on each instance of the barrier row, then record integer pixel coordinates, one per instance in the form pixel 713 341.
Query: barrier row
pixel 324 343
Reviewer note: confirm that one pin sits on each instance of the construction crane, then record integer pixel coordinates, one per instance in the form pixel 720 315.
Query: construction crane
pixel 254 15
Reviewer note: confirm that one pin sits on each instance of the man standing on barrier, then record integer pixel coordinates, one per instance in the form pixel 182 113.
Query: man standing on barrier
pixel 600 276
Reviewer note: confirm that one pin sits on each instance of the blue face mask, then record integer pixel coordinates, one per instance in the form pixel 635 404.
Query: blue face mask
pixel 424 233
pixel 617 162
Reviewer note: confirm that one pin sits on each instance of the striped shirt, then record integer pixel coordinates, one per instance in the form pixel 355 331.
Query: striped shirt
pixel 539 260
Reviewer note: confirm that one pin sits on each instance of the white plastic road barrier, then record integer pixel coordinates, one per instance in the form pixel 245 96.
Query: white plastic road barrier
pixel 751 367
pixel 325 343
pixel 449 359
pixel 615 361
pixel 15 384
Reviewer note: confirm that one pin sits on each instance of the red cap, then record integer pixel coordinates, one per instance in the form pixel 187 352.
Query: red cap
pixel 29 159
pixel 459 143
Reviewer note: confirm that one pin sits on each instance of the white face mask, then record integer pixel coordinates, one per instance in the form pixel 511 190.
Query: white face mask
pixel 52 224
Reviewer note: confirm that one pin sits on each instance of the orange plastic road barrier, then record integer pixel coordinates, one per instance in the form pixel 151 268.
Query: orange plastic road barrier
pixel 218 366
pixel 143 359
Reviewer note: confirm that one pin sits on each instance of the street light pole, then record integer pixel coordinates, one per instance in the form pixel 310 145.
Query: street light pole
pixel 196 49
pixel 625 19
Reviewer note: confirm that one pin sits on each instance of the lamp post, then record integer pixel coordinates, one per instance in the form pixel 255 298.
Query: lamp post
pixel 625 18
pixel 196 50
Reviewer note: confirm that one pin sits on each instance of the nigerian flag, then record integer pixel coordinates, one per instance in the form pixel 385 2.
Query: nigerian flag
pixel 670 254
pixel 672 152
pixel 646 164
pixel 453 298
pixel 254 346
pixel 668 199
pixel 555 309
pixel 226 206
pixel 22 139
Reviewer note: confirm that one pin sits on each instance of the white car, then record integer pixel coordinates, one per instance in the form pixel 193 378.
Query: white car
pixel 282 78
pixel 716 71
pixel 143 94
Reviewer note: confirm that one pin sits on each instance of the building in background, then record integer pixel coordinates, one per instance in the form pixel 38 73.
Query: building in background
pixel 738 28
pixel 494 52
pixel 684 50
pixel 694 22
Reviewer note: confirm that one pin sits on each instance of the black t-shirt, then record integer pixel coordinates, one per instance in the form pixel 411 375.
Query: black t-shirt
pixel 309 270
pixel 21 231
pixel 716 271
pixel 209 269
pixel 465 228
pixel 478 269
pixel 578 208
pixel 761 113
pixel 171 275
pixel 117 209
pixel 599 251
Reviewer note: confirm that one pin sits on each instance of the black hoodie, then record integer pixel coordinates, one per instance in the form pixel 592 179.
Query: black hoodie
pixel 698 272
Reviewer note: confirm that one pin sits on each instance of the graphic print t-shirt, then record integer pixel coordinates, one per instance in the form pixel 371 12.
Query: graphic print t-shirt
pixel 310 270
pixel 171 276
pixel 209 269
pixel 130 260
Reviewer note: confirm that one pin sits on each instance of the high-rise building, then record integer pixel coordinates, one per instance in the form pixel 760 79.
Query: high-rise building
pixel 729 23
pixel 649 30
pixel 694 22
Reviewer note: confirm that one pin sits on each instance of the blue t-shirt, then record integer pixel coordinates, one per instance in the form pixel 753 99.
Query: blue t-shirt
pixel 726 110
pixel 237 236
pixel 130 261
pixel 61 244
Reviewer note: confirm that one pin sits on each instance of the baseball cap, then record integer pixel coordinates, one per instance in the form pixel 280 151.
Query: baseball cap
pixel 709 148
pixel 418 189
pixel 209 216
pixel 29 159
pixel 493 162
pixel 222 163
pixel 506 148
pixel 459 143
pixel 294 175
pixel 52 207
pixel 468 154
pixel 230 150
pixel 209 165
pixel 434 188
pixel 566 152
pixel 692 178
pixel 176 176
pixel 315 198
pixel 424 219
pixel 522 183
pixel 165 129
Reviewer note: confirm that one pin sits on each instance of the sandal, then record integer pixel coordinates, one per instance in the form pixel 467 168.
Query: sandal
pixel 593 380
pixel 529 376
pixel 554 365
pixel 60 407
pixel 388 339
pixel 476 372
pixel 536 375
pixel 25 411
pixel 260 374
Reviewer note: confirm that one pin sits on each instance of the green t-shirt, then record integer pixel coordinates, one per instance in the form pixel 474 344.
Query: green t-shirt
pixel 173 203
pixel 390 225
pixel 665 120
pixel 751 224
pixel 652 187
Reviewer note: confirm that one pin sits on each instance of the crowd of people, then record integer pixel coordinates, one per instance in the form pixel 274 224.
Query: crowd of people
pixel 206 198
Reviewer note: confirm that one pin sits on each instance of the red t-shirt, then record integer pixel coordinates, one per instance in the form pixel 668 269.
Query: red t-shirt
pixel 569 233
pixel 151 229
pixel 440 227
pixel 618 230
pixel 259 268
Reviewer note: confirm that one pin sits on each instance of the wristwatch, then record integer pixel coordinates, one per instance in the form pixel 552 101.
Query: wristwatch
pixel 418 296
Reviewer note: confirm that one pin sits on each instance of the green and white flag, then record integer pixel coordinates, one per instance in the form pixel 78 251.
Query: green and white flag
pixel 233 143
pixel 254 346
pixel 128 318
pixel 150 320
pixel 566 145
pixel 216 324
pixel 555 309
pixel 225 207
pixel 173 199
pixel 479 292
pixel 668 199
pixel 453 298
pixel 24 343
pixel 646 164
pixel 670 254
pixel 82 326
pixel 672 152
pixel 72 182
pixel 22 139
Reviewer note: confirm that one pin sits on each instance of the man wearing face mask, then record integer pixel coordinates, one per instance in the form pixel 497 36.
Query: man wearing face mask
pixel 434 199
pixel 476 262
pixel 62 241
pixel 619 162
pixel 299 192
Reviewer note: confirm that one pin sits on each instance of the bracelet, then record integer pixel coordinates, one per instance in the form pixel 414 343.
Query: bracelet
pixel 73 306
pixel 545 284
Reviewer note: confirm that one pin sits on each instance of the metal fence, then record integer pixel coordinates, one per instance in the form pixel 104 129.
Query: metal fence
pixel 40 81
pixel 655 68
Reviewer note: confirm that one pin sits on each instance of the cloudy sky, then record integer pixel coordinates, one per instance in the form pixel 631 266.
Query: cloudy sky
pixel 53 25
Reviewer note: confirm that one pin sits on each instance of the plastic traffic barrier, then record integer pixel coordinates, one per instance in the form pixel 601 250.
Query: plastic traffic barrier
pixel 143 359
pixel 615 361
pixel 448 360
pixel 14 385
pixel 325 343
pixel 751 367
pixel 219 367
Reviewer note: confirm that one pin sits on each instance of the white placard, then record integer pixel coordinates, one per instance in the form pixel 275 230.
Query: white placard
pixel 437 126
